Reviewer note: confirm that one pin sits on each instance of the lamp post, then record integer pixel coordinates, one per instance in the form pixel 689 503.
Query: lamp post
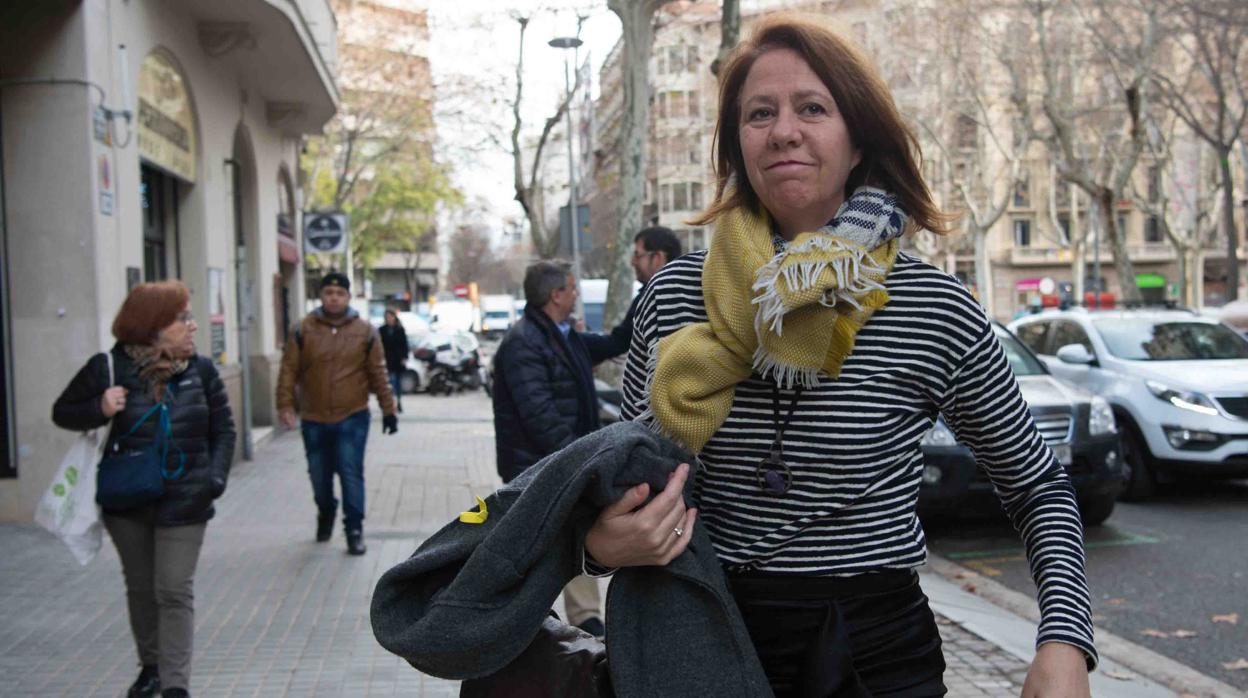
pixel 571 42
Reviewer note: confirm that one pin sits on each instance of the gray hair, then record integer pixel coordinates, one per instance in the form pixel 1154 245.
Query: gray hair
pixel 543 278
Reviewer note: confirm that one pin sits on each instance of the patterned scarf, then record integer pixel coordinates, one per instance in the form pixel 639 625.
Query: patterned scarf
pixel 154 366
pixel 791 315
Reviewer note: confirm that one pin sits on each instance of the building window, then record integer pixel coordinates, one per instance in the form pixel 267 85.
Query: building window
pixel 1022 232
pixel 676 59
pixel 967 132
pixel 1022 192
pixel 1154 183
pixel 691 58
pixel 665 197
pixel 1063 229
pixel 1152 230
pixel 1121 222
pixel 1061 193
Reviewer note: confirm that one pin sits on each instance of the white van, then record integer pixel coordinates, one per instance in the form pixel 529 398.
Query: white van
pixel 498 314
pixel 594 298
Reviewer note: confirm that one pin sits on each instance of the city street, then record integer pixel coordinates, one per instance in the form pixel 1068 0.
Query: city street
pixel 1157 569
pixel 279 615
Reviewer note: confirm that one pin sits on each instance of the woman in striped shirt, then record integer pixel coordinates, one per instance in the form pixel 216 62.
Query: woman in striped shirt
pixel 803 357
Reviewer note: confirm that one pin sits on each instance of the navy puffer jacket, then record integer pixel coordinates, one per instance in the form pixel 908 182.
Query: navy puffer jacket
pixel 544 397
pixel 199 415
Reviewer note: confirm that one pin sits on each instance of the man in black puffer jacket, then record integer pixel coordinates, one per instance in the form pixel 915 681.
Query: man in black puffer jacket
pixel 544 395
pixel 544 398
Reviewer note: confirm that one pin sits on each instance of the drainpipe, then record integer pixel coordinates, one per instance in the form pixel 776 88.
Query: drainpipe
pixel 243 295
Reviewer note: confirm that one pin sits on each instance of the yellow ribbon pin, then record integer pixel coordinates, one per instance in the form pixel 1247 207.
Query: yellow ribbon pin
pixel 475 517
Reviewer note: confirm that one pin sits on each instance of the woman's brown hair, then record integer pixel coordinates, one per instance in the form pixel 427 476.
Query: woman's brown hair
pixel 890 151
pixel 149 309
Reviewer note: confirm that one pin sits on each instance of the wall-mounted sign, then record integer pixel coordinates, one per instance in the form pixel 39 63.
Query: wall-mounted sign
pixel 325 232
pixel 166 121
pixel 106 185
pixel 216 314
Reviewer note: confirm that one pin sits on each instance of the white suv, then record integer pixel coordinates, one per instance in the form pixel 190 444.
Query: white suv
pixel 1178 384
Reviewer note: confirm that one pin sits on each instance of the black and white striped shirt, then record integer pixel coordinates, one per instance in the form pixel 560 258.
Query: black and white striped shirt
pixel 853 444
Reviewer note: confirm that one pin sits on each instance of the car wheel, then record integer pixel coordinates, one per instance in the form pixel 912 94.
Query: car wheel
pixel 1140 476
pixel 1095 512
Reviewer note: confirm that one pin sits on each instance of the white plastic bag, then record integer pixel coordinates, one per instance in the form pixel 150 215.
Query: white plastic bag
pixel 68 507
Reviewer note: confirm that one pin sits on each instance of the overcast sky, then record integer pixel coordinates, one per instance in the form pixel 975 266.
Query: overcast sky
pixel 475 43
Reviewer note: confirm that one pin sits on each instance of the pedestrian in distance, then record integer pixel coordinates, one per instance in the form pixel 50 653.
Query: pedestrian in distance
pixel 394 343
pixel 333 356
pixel 160 395
pixel 803 357
pixel 653 248
pixel 544 398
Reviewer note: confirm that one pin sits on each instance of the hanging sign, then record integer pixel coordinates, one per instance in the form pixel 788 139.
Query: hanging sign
pixel 325 232
pixel 166 122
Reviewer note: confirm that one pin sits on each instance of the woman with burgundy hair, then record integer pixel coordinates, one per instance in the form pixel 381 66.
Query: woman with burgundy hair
pixel 153 363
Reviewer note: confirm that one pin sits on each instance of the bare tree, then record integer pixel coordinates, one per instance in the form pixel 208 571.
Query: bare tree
pixel 981 146
pixel 637 25
pixel 729 33
pixel 1209 94
pixel 472 257
pixel 1095 104
pixel 529 188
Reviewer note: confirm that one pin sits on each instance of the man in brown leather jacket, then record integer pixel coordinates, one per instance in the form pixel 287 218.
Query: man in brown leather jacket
pixel 336 358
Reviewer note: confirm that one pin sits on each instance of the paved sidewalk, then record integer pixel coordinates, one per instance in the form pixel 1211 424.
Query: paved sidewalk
pixel 280 615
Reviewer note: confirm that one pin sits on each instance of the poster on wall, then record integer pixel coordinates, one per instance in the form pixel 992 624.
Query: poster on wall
pixel 216 314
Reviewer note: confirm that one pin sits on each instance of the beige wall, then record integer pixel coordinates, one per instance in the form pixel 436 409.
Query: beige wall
pixel 67 260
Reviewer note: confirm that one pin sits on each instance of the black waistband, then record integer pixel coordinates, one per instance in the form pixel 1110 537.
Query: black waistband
pixel 793 586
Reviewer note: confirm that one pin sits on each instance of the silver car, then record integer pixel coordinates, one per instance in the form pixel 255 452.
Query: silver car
pixel 1178 384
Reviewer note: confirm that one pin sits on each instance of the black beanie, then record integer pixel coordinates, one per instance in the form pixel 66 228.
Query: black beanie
pixel 335 278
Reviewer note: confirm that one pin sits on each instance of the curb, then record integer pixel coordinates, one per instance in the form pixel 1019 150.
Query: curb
pixel 1156 667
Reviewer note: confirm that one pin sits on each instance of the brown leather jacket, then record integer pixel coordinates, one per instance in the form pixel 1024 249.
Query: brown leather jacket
pixel 335 368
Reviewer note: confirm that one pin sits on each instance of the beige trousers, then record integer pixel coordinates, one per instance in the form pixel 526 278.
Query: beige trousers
pixel 159 567
pixel 582 600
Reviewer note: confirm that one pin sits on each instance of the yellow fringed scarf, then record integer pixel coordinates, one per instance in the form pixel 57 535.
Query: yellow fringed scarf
pixel 793 315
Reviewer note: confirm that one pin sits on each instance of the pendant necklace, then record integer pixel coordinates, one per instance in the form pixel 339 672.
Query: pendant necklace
pixel 773 474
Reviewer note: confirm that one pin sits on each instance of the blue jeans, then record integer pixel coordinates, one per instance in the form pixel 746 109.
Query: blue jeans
pixel 338 447
pixel 395 385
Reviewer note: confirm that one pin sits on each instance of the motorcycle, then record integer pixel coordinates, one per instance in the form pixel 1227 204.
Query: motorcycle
pixel 454 363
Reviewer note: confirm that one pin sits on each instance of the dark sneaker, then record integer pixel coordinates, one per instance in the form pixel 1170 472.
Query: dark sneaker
pixel 147 685
pixel 175 693
pixel 593 626
pixel 355 543
pixel 324 528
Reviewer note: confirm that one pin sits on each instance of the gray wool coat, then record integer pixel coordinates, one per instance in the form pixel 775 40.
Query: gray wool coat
pixel 473 596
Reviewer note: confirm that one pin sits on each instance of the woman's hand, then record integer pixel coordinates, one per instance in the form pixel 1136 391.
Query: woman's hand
pixel 113 401
pixel 1058 671
pixel 655 534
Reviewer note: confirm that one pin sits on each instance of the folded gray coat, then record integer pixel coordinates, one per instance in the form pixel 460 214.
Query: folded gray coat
pixel 473 596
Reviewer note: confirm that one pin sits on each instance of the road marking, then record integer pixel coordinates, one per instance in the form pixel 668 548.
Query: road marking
pixel 1014 554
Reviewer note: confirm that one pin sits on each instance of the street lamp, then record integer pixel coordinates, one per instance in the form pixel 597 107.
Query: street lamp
pixel 571 42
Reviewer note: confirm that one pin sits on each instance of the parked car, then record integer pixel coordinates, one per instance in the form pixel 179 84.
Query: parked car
pixel 1177 382
pixel 1076 424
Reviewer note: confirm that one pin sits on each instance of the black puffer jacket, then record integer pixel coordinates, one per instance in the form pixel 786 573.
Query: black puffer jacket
pixel 199 414
pixel 394 344
pixel 544 396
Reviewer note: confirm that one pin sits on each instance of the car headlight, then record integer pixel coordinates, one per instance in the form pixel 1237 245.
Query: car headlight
pixel 1101 417
pixel 939 435
pixel 1183 399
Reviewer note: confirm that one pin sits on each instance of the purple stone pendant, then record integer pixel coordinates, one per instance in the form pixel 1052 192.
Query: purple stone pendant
pixel 773 474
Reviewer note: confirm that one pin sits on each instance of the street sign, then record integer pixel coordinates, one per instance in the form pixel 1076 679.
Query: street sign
pixel 461 291
pixel 325 232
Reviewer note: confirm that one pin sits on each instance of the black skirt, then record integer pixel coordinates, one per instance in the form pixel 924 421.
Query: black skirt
pixel 868 636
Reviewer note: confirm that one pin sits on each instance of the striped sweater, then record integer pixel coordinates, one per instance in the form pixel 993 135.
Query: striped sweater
pixel 853 444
